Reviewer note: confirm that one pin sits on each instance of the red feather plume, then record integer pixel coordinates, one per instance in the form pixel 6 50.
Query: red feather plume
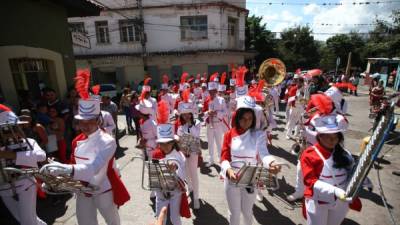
pixel 240 74
pixel 96 89
pixel 184 77
pixel 223 78
pixel 4 108
pixel 213 77
pixel 82 80
pixel 186 95
pixel 162 112
pixel 321 102
pixel 147 81
pixel 165 79
pixel 261 84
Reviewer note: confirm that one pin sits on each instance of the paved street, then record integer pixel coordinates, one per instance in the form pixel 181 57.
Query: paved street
pixel 274 209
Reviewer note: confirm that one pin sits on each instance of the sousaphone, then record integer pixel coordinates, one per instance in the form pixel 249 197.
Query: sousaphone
pixel 273 71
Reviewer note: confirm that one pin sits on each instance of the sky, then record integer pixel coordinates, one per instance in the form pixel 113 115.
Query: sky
pixel 343 18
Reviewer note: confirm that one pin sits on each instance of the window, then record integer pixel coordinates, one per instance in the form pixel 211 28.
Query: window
pixel 194 27
pixel 232 26
pixel 102 32
pixel 128 31
pixel 77 27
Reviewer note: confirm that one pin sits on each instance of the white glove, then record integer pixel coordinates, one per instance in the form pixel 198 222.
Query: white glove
pixel 56 169
pixel 341 195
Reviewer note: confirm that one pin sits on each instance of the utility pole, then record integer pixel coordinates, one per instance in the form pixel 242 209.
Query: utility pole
pixel 143 38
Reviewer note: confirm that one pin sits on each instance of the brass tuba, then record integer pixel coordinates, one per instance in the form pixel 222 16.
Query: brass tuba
pixel 273 71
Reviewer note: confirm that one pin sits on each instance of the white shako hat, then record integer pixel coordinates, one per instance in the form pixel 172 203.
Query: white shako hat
pixel 145 107
pixel 7 116
pixel 241 91
pixel 232 82
pixel 185 107
pixel 165 133
pixel 221 87
pixel 213 83
pixel 245 102
pixel 88 105
pixel 329 124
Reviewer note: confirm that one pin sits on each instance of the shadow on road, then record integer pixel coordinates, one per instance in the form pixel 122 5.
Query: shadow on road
pixel 52 207
pixel 271 215
pixel 349 222
pixel 120 152
pixel 372 197
pixel 280 152
pixel 208 215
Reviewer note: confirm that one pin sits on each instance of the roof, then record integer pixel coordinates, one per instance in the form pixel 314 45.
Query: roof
pixel 79 8
pixel 394 59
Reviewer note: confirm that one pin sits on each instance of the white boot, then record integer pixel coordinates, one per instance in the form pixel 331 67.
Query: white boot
pixel 295 196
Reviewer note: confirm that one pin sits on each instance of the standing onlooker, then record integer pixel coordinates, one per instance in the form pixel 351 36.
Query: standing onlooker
pixel 124 106
pixel 355 80
pixel 53 101
pixel 57 128
pixel 135 114
pixel 33 129
pixel 42 116
pixel 109 106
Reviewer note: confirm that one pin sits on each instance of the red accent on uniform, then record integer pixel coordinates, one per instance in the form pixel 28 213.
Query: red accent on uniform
pixel 226 145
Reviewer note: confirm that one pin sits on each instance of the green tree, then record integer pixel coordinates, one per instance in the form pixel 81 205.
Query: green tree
pixel 298 49
pixel 260 40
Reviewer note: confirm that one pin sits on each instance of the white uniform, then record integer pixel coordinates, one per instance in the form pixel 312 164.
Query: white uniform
pixel 108 123
pixel 149 133
pixel 24 210
pixel 295 114
pixel 92 157
pixel 275 97
pixel 174 202
pixel 323 207
pixel 243 147
pixel 192 160
pixel 216 126
pixel 261 121
pixel 153 106
pixel 170 100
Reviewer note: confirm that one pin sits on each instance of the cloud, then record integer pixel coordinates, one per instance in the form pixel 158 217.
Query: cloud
pixel 343 17
pixel 311 9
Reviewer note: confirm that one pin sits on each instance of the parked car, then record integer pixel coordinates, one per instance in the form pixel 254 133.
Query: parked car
pixel 109 90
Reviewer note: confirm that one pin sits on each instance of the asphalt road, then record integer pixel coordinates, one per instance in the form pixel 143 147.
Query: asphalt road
pixel 274 209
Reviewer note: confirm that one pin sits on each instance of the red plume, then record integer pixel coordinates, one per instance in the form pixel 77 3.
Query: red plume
pixel 96 89
pixel 322 102
pixel 240 74
pixel 82 80
pixel 213 77
pixel 184 77
pixel 234 73
pixel 147 81
pixel 165 79
pixel 4 108
pixel 186 95
pixel 223 78
pixel 162 112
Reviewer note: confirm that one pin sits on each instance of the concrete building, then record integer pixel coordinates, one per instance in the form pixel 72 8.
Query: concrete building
pixel 36 47
pixel 180 35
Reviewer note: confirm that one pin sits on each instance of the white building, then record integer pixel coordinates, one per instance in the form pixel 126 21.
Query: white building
pixel 194 36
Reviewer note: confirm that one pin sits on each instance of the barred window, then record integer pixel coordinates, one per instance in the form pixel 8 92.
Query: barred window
pixel 128 31
pixel 194 27
pixel 77 27
pixel 102 34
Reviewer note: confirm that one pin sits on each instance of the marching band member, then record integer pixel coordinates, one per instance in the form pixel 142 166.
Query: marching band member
pixel 168 150
pixel 326 166
pixel 319 104
pixel 295 95
pixel 243 143
pixel 197 89
pixel 148 127
pixel 204 92
pixel 338 100
pixel 92 161
pixel 20 197
pixel 164 95
pixel 273 91
pixel 191 126
pixel 215 112
pixel 146 94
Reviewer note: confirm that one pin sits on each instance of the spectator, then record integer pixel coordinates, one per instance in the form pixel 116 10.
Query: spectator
pixel 25 100
pixel 124 105
pixel 41 114
pixel 355 80
pixel 135 114
pixel 53 101
pixel 33 129
pixel 57 128
pixel 376 94
pixel 109 106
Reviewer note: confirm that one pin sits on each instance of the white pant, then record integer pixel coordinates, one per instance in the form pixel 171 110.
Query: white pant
pixel 214 136
pixel 239 202
pixel 24 210
pixel 294 118
pixel 192 174
pixel 276 103
pixel 174 205
pixel 299 179
pixel 86 209
pixel 326 214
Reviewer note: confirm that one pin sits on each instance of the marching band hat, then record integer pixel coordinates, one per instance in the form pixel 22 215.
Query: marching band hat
pixel 330 124
pixel 144 107
pixel 246 102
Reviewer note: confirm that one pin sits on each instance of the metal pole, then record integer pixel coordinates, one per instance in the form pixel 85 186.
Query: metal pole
pixel 142 35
